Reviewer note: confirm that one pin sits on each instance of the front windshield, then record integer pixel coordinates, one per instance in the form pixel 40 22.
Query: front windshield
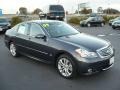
pixel 58 29
pixel 90 18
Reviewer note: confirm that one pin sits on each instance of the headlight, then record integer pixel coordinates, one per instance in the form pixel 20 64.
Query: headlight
pixel 81 22
pixel 86 54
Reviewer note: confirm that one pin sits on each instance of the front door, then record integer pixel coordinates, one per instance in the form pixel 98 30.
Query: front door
pixel 38 46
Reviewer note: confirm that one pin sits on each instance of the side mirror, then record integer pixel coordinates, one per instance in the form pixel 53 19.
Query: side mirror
pixel 41 36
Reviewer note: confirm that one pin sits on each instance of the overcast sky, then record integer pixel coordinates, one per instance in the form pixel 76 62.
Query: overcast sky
pixel 12 6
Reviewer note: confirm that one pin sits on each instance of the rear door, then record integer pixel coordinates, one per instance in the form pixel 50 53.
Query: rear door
pixel 22 38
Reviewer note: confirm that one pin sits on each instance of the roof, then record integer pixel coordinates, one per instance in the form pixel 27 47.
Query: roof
pixel 44 21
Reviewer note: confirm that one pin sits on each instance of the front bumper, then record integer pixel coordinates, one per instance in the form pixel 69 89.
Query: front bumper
pixel 116 26
pixel 88 68
pixel 4 28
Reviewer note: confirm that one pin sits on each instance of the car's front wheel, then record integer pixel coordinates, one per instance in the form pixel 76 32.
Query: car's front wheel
pixel 66 66
pixel 13 50
pixel 113 27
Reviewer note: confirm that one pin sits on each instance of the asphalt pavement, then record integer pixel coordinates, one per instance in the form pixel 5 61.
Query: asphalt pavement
pixel 23 73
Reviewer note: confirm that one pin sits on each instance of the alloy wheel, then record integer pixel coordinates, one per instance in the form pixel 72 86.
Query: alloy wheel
pixel 65 67
pixel 13 49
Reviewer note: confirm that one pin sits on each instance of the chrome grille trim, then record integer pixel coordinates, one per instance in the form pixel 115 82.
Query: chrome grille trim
pixel 107 51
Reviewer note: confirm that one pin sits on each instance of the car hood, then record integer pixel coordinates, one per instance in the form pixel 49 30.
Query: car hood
pixel 86 41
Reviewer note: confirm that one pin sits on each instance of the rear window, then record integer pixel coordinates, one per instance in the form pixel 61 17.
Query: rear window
pixel 56 8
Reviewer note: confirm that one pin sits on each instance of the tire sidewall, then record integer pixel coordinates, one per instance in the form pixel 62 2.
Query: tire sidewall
pixel 102 24
pixel 15 50
pixel 73 65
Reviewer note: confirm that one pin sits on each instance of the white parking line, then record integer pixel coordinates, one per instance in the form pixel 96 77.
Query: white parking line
pixel 112 34
pixel 101 35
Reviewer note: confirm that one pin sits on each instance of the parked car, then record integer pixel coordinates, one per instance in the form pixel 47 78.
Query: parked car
pixel 4 24
pixel 116 24
pixel 58 43
pixel 53 12
pixel 111 21
pixel 93 21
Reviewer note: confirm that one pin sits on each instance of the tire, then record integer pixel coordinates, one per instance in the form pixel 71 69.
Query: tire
pixel 13 50
pixel 113 27
pixel 88 25
pixel 110 24
pixel 81 25
pixel 102 24
pixel 66 66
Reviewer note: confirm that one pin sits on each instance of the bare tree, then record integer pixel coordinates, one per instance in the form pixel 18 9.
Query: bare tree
pixel 37 11
pixel 23 10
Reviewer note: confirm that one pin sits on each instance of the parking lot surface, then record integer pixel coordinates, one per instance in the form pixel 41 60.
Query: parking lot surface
pixel 23 73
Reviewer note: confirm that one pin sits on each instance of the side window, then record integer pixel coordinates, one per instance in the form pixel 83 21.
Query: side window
pixel 35 29
pixel 23 29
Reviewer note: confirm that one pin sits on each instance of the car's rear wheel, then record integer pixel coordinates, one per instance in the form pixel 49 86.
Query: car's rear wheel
pixel 13 50
pixel 66 66
pixel 89 25
pixel 102 24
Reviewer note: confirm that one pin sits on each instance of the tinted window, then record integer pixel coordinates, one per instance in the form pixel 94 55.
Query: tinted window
pixel 23 29
pixel 56 8
pixel 58 29
pixel 3 20
pixel 35 29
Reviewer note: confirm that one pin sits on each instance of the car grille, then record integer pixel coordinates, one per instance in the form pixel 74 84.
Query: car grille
pixel 100 65
pixel 3 25
pixel 105 52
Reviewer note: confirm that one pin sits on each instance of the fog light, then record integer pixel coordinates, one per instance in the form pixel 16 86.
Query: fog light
pixel 89 70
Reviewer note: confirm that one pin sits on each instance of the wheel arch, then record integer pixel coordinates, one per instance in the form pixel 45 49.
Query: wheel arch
pixel 58 54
